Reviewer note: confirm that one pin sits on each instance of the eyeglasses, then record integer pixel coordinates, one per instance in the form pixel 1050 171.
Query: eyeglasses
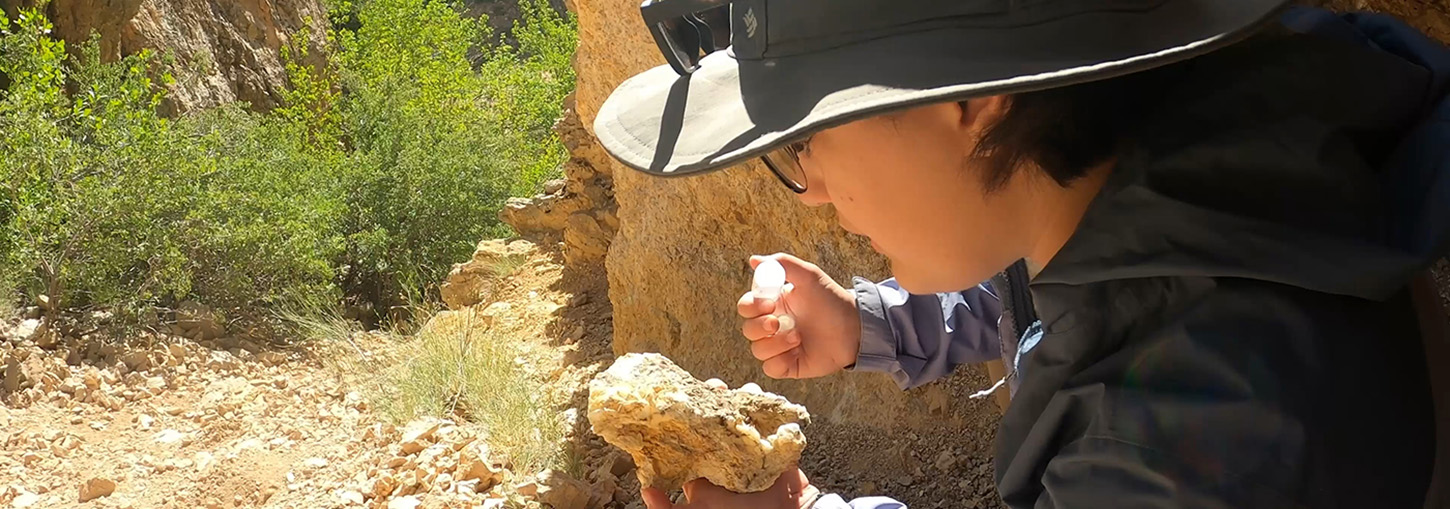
pixel 785 163
pixel 686 30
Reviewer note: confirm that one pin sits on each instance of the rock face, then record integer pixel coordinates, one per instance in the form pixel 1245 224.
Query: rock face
pixel 580 209
pixel 679 429
pixel 470 283
pixel 225 51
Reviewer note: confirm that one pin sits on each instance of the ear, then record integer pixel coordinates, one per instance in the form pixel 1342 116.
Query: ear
pixel 979 113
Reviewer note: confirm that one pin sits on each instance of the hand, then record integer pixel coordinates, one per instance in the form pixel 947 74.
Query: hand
pixel 827 331
pixel 791 491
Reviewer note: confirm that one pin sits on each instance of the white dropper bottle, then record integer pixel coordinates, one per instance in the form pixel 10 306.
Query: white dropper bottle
pixel 769 283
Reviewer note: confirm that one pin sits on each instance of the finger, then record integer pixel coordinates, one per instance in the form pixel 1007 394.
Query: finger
pixel 758 328
pixel 774 346
pixel 701 492
pixel 755 261
pixel 797 269
pixel 655 498
pixel 782 366
pixel 750 307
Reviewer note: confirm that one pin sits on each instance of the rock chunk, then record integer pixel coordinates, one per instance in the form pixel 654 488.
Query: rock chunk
pixel 679 429
pixel 96 488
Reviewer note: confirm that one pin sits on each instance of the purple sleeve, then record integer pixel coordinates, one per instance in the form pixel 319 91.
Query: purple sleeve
pixel 920 338
pixel 836 502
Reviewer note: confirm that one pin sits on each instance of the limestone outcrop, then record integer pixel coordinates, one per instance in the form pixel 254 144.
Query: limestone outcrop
pixel 678 428
pixel 225 51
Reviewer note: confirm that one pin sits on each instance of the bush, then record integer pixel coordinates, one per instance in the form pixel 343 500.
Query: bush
pixel 379 170
pixel 110 205
pixel 437 145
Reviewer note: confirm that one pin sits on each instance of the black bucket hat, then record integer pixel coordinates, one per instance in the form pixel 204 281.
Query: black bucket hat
pixel 794 67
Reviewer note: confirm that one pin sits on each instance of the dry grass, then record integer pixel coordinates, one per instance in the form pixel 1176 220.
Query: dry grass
pixel 450 364
pixel 458 367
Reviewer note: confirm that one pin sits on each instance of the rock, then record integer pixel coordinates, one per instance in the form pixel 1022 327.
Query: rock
pixel 419 434
pixel 351 497
pixel 560 491
pixel 26 328
pixel 469 283
pixel 169 436
pixel 475 466
pixel 540 216
pixel 97 487
pixel 31 312
pixel 226 54
pixel 408 502
pixel 678 428
pixel 585 240
pixel 944 461
pixel 25 499
pixel 200 322
pixel 270 358
pixel 554 186
pixel 380 487
pixel 136 360
pixel 528 489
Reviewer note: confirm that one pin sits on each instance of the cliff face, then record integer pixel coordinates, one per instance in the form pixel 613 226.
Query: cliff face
pixel 225 51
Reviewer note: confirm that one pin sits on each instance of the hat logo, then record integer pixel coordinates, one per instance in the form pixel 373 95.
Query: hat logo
pixel 750 23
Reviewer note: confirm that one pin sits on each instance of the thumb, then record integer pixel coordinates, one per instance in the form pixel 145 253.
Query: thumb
pixel 655 498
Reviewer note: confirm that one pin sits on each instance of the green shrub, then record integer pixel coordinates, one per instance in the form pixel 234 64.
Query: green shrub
pixel 438 146
pixel 526 87
pixel 379 169
pixel 110 205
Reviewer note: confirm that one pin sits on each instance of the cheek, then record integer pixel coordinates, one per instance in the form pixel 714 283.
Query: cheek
pixel 922 210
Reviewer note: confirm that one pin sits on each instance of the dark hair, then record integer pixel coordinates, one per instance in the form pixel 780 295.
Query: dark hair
pixel 1067 130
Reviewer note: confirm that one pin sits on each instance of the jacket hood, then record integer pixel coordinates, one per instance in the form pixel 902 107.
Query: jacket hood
pixel 1319 159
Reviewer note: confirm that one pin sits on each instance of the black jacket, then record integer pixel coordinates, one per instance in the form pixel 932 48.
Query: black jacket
pixel 1229 325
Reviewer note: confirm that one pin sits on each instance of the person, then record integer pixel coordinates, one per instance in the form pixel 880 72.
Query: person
pixel 1186 226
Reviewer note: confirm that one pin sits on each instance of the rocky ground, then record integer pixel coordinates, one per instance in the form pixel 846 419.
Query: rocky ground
pixel 166 421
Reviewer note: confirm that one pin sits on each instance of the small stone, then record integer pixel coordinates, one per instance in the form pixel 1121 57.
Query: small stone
pixel 96 488
pixel 944 461
pixel 351 496
pixel 25 500
pixel 527 489
pixel 145 422
pixel 315 463
pixel 76 419
pixel 558 490
pixel 381 487
pixel 169 436
pixel 418 434
pixel 408 502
